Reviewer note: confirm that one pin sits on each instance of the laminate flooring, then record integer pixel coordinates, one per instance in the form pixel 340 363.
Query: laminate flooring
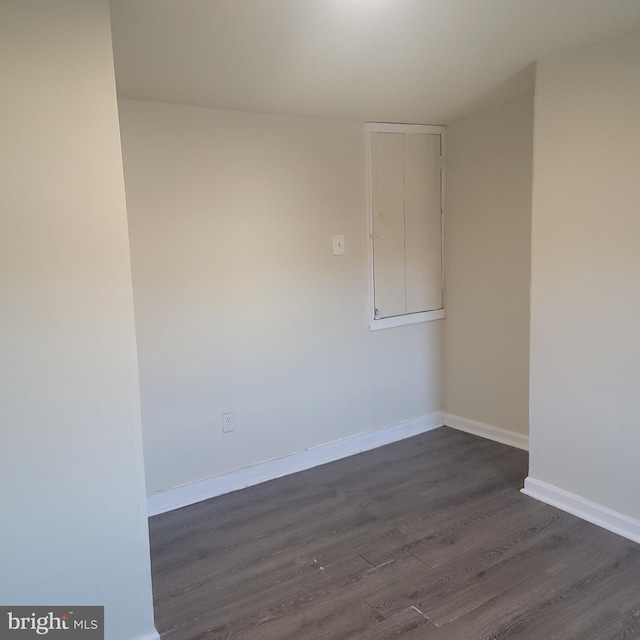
pixel 428 538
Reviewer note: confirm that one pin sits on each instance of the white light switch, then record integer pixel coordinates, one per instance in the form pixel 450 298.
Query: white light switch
pixel 338 245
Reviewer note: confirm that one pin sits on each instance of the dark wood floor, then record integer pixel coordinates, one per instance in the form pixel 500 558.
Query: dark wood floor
pixel 428 538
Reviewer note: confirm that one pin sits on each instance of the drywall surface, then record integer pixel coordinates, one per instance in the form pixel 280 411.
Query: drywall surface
pixel 241 305
pixel 74 528
pixel 585 295
pixel 487 266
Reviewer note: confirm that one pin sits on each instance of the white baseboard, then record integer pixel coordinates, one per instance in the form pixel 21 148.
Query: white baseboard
pixel 488 431
pixel 211 487
pixel 586 509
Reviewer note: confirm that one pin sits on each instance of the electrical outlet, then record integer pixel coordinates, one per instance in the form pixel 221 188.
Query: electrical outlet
pixel 338 245
pixel 228 422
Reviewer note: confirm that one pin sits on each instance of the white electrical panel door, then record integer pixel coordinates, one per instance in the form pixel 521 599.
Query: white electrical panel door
pixel 406 222
pixel 388 224
pixel 423 222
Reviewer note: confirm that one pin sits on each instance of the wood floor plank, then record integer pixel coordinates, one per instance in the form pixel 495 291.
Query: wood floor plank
pixel 280 587
pixel 586 606
pixel 443 534
pixel 409 624
pixel 252 552
pixel 428 538
pixel 454 588
pixel 489 599
pixel 333 619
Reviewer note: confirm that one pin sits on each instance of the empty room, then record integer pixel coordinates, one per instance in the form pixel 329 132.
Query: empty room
pixel 320 319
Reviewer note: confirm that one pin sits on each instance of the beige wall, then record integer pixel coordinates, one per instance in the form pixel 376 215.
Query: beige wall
pixel 241 305
pixel 585 296
pixel 487 266
pixel 73 528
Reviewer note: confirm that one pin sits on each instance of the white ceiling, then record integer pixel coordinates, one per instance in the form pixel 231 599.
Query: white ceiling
pixel 427 61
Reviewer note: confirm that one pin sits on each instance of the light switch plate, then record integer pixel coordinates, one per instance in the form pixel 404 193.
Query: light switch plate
pixel 338 245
